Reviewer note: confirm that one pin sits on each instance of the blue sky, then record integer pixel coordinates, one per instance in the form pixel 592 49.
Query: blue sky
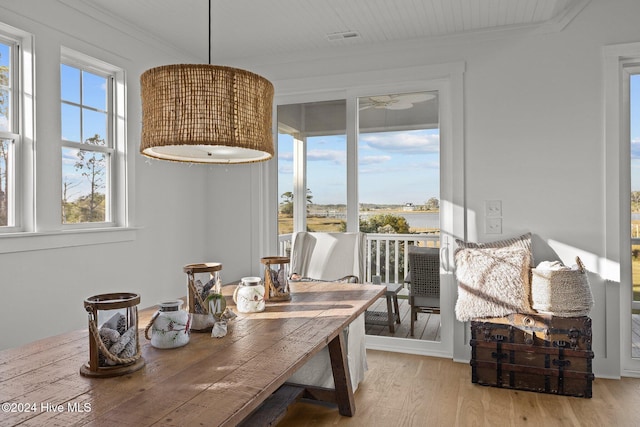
pixel 394 167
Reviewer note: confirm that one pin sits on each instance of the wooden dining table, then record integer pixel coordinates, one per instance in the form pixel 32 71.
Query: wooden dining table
pixel 239 378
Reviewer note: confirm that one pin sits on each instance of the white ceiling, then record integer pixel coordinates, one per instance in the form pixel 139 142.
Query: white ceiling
pixel 257 28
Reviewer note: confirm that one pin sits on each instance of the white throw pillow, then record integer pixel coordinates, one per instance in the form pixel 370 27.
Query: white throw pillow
pixel 492 282
pixel 523 241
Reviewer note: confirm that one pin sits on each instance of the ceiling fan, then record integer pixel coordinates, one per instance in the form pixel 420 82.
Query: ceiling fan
pixel 394 102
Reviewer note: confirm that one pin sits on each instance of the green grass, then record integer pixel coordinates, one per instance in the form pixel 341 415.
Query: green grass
pixel 285 224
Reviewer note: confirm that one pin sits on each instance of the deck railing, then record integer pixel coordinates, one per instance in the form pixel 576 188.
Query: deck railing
pixel 386 253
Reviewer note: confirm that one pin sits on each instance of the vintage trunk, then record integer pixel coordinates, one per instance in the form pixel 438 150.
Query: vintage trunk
pixel 540 353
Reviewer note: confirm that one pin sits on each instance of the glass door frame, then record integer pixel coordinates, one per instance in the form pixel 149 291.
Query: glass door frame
pixel 630 364
pixel 616 265
pixel 447 79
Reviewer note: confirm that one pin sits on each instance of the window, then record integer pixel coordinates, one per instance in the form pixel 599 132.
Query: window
pixel 8 134
pixel 16 130
pixel 397 173
pixel 398 176
pixel 434 126
pixel 312 141
pixel 89 141
pixel 632 73
pixel 92 147
pixel 619 263
pixel 399 161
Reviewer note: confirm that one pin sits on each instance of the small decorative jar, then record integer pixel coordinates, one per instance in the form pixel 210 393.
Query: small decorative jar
pixel 170 326
pixel 249 295
pixel 203 279
pixel 114 348
pixel 276 278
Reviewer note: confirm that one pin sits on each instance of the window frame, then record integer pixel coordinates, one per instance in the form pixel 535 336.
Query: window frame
pixel 12 134
pixel 350 96
pixel 615 265
pixel 448 80
pixel 21 200
pixel 37 231
pixel 115 148
pixel 301 165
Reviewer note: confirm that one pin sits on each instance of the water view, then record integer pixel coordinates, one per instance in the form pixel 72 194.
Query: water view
pixel 418 221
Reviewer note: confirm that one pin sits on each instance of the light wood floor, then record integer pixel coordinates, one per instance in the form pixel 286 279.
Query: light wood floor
pixel 409 390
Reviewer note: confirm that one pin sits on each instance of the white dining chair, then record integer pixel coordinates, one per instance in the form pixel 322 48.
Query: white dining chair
pixel 325 256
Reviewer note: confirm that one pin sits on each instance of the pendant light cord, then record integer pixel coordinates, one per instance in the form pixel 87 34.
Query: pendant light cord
pixel 209 32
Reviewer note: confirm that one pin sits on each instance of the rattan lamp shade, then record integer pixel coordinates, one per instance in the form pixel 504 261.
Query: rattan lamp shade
pixel 206 114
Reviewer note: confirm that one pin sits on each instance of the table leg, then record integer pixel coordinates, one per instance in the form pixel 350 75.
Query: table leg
pixel 390 315
pixel 341 377
pixel 395 305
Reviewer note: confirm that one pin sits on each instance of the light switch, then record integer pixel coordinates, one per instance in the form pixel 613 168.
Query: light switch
pixel 493 226
pixel 493 208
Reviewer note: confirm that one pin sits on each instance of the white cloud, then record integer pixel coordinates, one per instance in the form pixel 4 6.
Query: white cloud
pixel 69 158
pixel 635 148
pixel 287 156
pixel 285 169
pixel 373 160
pixel 335 156
pixel 403 142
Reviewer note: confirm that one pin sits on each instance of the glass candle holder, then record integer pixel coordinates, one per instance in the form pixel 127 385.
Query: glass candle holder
pixel 203 279
pixel 276 278
pixel 114 348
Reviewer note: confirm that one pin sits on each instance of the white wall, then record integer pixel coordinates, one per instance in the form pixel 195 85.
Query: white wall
pixel 533 133
pixel 43 291
pixel 533 139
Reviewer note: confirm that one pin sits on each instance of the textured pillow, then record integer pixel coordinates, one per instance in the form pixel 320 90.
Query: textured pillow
pixel 523 241
pixel 492 282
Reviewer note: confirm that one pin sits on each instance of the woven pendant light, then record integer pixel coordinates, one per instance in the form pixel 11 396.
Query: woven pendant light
pixel 202 113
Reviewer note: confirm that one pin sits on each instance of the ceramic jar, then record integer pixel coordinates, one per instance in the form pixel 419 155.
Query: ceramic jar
pixel 249 295
pixel 169 326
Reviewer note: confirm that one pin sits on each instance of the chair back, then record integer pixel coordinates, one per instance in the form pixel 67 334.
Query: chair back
pixel 424 267
pixel 328 256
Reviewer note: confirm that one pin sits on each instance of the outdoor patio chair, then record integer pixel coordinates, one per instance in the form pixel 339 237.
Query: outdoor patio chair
pixel 331 257
pixel 424 278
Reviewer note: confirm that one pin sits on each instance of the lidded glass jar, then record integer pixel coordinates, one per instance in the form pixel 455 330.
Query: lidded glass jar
pixel 249 295
pixel 170 326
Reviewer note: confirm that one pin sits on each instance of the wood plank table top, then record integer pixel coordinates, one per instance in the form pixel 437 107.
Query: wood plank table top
pixel 210 381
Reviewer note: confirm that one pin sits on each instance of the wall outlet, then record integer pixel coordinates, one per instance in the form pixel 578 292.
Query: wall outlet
pixel 493 208
pixel 493 226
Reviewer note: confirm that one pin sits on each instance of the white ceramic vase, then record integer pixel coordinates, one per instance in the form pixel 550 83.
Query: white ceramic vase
pixel 249 295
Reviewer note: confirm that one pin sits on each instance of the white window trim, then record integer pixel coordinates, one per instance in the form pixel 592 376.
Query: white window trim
pixel 23 81
pixel 23 242
pixel 117 215
pixel 617 214
pixel 31 236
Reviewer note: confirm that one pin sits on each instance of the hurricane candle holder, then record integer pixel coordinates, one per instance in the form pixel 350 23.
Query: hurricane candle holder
pixel 276 278
pixel 203 280
pixel 114 348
